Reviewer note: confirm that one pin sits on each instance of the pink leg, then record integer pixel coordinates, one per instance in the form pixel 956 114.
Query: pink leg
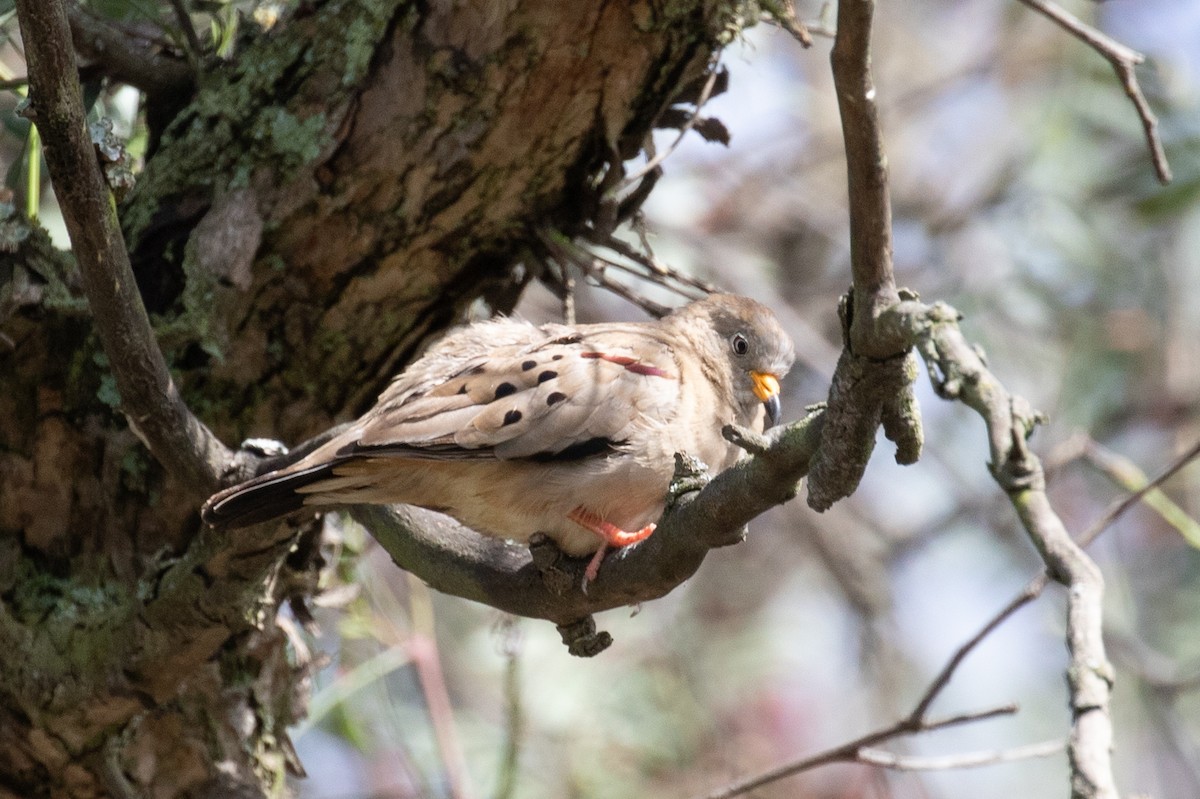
pixel 610 535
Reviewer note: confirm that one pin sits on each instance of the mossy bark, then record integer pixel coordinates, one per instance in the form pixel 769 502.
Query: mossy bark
pixel 342 189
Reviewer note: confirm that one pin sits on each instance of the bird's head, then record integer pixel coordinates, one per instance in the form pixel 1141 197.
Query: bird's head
pixel 746 335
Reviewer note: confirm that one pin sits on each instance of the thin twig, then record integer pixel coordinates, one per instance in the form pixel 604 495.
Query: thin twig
pixel 1031 592
pixel 654 162
pixel 785 17
pixel 875 757
pixel 423 647
pixel 514 727
pixel 1119 508
pixel 189 30
pixel 1037 584
pixel 595 268
pixel 655 269
pixel 568 299
pixel 1125 473
pixel 848 752
pixel 149 397
pixel 1155 670
pixel 914 722
pixel 1123 59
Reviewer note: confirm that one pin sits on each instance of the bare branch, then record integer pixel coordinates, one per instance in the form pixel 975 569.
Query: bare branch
pixel 849 752
pixel 456 560
pixel 189 30
pixel 784 15
pixel 1123 59
pixel 1119 508
pixel 875 757
pixel 866 162
pixel 149 397
pixel 652 268
pixel 873 379
pixel 958 372
pixel 657 160
pixel 1037 585
pixel 1031 592
pixel 128 59
pixel 595 269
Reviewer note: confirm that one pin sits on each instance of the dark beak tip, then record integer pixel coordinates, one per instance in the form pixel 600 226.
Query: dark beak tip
pixel 773 410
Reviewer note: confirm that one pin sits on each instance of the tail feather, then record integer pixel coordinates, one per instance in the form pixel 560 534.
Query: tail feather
pixel 263 498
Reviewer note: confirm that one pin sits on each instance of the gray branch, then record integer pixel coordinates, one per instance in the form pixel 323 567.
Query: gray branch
pixel 459 561
pixel 958 372
pixel 149 397
pixel 128 59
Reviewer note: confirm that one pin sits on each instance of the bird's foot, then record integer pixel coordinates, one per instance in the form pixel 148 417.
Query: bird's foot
pixel 593 567
pixel 613 536
pixel 610 535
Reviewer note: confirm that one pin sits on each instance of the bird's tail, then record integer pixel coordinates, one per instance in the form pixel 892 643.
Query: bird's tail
pixel 263 498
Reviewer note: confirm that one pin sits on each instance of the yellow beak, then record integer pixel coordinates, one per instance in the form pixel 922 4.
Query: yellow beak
pixel 766 388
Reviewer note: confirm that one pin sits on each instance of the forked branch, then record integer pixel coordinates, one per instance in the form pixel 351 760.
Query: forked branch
pixel 1123 59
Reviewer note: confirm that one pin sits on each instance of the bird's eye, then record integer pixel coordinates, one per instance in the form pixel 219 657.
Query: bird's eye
pixel 739 344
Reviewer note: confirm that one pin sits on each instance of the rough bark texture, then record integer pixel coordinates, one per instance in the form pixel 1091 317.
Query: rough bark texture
pixel 342 189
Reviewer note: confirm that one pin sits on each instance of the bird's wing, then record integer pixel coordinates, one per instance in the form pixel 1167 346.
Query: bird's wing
pixel 560 394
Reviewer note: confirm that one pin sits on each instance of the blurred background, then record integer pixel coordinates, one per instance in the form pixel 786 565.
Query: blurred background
pixel 1024 196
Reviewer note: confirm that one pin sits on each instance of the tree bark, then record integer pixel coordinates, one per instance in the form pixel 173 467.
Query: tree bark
pixel 346 186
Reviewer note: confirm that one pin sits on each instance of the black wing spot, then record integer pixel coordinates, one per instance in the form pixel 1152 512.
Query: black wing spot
pixel 556 357
pixel 504 389
pixel 462 389
pixel 555 398
pixel 527 365
pixel 512 417
pixel 549 374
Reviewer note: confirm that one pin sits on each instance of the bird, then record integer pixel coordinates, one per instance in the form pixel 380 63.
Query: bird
pixel 570 431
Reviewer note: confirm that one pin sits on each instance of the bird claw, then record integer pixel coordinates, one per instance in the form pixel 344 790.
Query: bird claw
pixel 593 567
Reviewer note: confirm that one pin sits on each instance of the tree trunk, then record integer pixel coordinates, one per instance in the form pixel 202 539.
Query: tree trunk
pixel 345 187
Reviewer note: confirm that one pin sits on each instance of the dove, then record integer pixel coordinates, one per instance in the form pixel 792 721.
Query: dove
pixel 570 431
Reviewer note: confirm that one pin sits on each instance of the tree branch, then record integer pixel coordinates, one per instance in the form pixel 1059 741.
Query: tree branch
pixel 127 59
pixel 1120 506
pixel 866 164
pixel 1123 60
pixel 149 397
pixel 456 560
pixel 872 384
pixel 875 757
pixel 850 752
pixel 1030 593
pixel 958 372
